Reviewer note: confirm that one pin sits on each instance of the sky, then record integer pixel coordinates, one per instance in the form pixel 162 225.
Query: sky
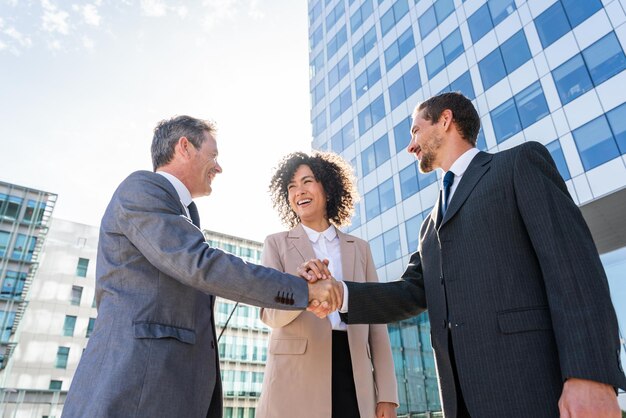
pixel 82 85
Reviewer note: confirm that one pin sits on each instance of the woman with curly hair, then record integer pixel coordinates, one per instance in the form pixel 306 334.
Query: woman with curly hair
pixel 322 368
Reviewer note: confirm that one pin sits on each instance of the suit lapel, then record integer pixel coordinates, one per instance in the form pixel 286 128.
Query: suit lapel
pixel 348 255
pixel 299 240
pixel 477 168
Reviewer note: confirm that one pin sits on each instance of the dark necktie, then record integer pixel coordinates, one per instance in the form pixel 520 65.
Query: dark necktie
pixel 193 214
pixel 448 179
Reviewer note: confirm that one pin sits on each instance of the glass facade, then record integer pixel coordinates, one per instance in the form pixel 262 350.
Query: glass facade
pixel 548 71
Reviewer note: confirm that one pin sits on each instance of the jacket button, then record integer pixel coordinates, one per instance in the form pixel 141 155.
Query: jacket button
pixel 441 278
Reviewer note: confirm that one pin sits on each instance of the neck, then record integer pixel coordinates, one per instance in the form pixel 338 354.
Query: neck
pixel 454 149
pixel 318 225
pixel 177 172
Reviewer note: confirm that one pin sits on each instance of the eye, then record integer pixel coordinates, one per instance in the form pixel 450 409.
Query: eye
pixel 289 187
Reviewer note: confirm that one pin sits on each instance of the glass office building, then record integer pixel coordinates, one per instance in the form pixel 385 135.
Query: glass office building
pixel 544 70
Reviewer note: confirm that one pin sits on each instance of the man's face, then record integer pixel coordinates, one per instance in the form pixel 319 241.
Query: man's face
pixel 426 139
pixel 203 167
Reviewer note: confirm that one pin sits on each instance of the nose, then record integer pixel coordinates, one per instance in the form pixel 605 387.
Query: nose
pixel 218 167
pixel 412 148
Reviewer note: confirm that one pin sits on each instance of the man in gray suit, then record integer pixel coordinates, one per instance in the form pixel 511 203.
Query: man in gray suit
pixel 153 351
pixel 522 323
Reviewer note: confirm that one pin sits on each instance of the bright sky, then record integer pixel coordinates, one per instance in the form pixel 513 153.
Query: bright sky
pixel 82 86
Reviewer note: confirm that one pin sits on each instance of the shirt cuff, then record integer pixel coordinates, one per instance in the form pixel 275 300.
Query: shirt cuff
pixel 344 305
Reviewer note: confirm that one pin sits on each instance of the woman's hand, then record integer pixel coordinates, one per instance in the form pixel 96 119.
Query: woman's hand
pixel 385 410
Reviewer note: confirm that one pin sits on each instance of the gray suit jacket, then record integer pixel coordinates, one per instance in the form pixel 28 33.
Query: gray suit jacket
pixel 153 351
pixel 511 277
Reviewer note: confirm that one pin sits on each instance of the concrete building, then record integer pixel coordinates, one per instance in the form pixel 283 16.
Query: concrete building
pixel 61 313
pixel 551 71
pixel 24 223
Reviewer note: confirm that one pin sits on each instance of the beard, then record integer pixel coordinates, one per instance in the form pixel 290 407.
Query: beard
pixel 429 153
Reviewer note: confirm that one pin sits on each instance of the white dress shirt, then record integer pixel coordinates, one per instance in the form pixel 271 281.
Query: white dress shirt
pixel 181 189
pixel 326 246
pixel 459 167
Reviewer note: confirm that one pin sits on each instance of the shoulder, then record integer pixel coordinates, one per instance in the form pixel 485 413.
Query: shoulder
pixel 278 236
pixel 361 243
pixel 525 149
pixel 145 186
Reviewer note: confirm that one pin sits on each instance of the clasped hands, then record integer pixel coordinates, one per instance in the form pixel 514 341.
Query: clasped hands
pixel 325 293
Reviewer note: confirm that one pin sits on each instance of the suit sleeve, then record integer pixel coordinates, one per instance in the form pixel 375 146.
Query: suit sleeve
pixel 380 347
pixel 381 303
pixel 271 257
pixel 146 214
pixel 583 318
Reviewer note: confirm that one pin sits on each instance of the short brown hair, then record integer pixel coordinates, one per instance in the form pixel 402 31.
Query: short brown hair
pixel 463 112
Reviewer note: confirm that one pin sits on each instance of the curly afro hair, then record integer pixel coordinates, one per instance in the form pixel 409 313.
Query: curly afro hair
pixel 336 177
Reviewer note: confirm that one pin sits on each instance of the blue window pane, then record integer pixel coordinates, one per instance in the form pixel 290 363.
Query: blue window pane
pixel 316 37
pixel 531 104
pixel 412 81
pixel 408 181
pixel 315 12
pixel 435 61
pixel 372 204
pixel 318 64
pixel 480 23
pixel 605 58
pixel 491 69
pixel 362 13
pixel 378 251
pixel 426 179
pixel 452 46
pixel 365 120
pixel 319 124
pixel 335 108
pixel 412 230
pixel 515 51
pixel 557 155
pixel 505 121
pixel 402 135
pixel 336 42
pixel 391 240
pixel 387 195
pixel 368 160
pixel 381 150
pixel 360 84
pixel 378 110
pixel 334 15
pixel 406 42
pixel 572 79
pixel 336 143
pixel 443 9
pixel 481 143
pixel 373 73
pixel 392 55
pixel 617 119
pixel 387 21
pixel 579 10
pixel 346 99
pixel 500 9
pixel 595 143
pixel 427 22
pixel 347 133
pixel 338 72
pixel 464 85
pixel 552 24
pixel 396 93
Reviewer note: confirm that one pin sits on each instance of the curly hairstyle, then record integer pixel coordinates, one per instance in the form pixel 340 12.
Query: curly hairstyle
pixel 336 177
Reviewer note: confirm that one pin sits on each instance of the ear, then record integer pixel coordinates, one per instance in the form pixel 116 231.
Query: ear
pixel 183 148
pixel 446 118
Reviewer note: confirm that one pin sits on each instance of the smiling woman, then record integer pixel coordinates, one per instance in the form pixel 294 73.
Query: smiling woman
pixel 315 195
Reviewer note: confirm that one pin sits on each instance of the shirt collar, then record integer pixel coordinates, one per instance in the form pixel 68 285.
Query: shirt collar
pixel 459 167
pixel 181 189
pixel 314 236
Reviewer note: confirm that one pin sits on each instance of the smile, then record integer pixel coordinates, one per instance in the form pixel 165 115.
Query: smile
pixel 303 202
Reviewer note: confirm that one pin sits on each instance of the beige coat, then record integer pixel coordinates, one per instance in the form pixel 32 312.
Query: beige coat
pixel 297 380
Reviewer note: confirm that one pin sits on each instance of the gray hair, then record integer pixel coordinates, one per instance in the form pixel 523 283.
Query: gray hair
pixel 169 131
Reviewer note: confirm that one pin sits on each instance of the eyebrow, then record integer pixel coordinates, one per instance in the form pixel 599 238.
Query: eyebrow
pixel 302 178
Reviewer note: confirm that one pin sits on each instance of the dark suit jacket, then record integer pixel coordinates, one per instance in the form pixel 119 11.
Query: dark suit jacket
pixel 153 351
pixel 512 278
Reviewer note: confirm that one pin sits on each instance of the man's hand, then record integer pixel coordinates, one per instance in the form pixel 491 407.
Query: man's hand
pixel 386 410
pixel 314 270
pixel 325 296
pixel 583 398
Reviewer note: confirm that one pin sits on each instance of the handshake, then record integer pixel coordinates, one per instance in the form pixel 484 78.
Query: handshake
pixel 325 293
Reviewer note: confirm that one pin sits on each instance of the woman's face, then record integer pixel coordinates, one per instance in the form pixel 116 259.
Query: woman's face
pixel 307 197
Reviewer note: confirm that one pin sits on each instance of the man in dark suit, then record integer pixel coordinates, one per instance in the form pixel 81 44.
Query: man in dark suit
pixel 522 323
pixel 153 351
